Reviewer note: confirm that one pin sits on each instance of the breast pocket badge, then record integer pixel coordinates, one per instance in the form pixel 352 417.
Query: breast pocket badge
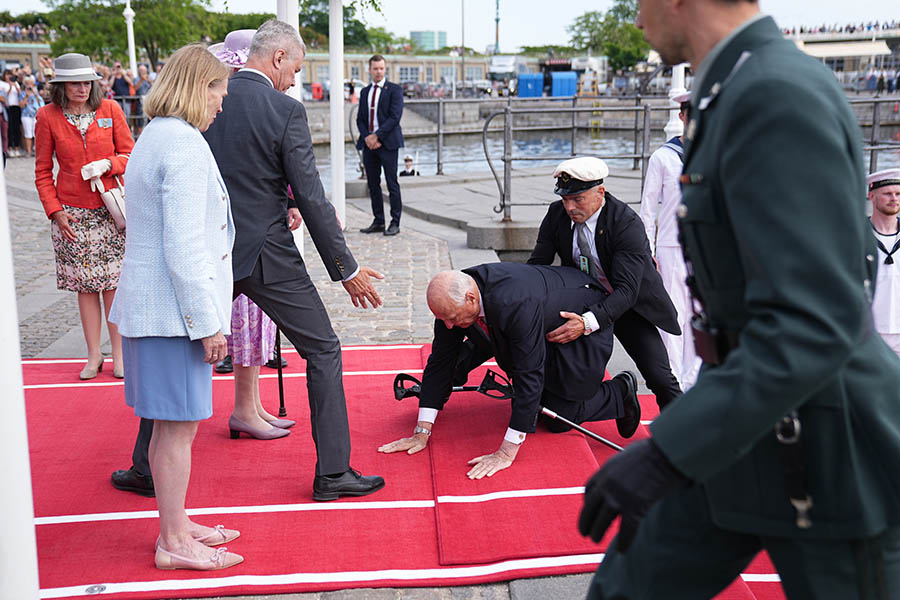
pixel 104 123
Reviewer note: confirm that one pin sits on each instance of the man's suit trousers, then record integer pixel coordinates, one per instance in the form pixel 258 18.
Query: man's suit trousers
pixel 296 308
pixel 643 343
pixel 608 403
pixel 374 162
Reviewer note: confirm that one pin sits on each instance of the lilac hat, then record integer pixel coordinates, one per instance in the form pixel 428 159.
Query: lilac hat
pixel 234 50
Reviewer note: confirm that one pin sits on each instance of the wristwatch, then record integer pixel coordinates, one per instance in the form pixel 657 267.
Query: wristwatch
pixel 420 429
pixel 584 323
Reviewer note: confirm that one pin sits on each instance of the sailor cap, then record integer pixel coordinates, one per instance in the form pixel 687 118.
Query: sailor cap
pixel 578 174
pixel 883 178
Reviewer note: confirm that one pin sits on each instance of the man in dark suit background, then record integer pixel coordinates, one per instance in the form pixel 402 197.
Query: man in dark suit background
pixel 380 137
pixel 613 236
pixel 505 310
pixel 262 145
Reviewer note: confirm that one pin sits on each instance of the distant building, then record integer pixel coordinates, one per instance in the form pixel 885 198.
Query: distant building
pixel 429 40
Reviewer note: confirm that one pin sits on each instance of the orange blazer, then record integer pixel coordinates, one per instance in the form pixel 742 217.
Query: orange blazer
pixel 107 137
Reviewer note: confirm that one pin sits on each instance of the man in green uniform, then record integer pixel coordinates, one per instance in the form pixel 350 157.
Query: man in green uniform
pixel 790 439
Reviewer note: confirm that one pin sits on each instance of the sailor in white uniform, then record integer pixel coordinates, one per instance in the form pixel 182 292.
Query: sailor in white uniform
pixel 662 195
pixel 884 193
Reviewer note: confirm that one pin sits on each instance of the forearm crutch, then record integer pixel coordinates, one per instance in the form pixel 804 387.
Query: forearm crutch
pixel 498 387
pixel 282 412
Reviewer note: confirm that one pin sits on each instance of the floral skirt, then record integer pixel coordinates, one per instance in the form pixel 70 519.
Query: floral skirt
pixel 252 338
pixel 92 263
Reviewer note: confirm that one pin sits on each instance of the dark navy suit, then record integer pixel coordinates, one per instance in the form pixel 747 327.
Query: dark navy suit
pixel 389 110
pixel 521 305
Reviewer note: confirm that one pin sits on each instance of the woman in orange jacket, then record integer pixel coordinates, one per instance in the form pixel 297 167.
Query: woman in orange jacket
pixel 80 127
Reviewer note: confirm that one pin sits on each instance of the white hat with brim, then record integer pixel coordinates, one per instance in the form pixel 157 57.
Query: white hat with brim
pixel 883 179
pixel 235 50
pixel 578 174
pixel 73 67
pixel 682 98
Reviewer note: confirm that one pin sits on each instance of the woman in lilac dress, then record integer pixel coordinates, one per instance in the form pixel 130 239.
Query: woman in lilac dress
pixel 252 338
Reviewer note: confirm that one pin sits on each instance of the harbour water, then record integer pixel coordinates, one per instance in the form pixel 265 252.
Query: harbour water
pixel 462 153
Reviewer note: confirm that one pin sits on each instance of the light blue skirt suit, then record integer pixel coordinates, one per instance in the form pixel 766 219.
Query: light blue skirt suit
pixel 176 281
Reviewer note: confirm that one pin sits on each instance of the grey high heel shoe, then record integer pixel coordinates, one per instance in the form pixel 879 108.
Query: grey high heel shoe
pixel 236 427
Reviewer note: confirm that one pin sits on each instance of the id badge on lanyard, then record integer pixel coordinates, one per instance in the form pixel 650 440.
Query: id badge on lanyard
pixel 584 265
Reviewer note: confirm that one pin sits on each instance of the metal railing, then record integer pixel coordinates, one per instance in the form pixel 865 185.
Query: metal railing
pixel 441 128
pixel 640 155
pixel 874 144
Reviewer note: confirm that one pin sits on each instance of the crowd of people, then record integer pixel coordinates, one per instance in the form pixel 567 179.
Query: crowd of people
pixel 781 321
pixel 847 28
pixel 16 32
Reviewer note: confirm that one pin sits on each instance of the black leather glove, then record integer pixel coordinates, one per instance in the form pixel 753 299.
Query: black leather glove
pixel 628 485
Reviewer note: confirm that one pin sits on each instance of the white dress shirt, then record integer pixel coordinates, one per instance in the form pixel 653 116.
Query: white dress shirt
pixel 590 321
pixel 377 88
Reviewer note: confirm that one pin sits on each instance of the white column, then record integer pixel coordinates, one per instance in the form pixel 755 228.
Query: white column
pixel 128 13
pixel 336 68
pixel 289 12
pixel 675 127
pixel 18 548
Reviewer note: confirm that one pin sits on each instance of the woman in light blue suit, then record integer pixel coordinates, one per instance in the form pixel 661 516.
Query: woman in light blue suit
pixel 173 307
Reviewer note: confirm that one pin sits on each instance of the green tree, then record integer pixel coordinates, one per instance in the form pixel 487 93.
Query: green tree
pixel 97 28
pixel 218 24
pixel 314 15
pixel 612 33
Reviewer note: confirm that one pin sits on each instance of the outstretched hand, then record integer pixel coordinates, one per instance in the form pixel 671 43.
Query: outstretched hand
pixel 572 329
pixel 410 445
pixel 361 289
pixel 487 465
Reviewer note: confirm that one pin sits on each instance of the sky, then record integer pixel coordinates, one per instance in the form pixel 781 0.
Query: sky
pixel 532 23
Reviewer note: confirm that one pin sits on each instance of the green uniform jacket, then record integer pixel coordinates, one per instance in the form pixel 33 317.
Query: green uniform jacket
pixel 775 228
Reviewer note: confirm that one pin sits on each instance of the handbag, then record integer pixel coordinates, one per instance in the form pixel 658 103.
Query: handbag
pixel 113 198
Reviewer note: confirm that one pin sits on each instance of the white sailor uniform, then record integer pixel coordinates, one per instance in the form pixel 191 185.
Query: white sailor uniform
pixel 662 195
pixel 886 304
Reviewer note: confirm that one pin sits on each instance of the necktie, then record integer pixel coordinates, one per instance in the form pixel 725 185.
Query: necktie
pixel 481 323
pixel 584 246
pixel 588 263
pixel 373 91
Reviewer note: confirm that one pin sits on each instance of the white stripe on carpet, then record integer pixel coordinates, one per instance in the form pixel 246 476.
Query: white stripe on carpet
pixel 234 510
pixel 567 491
pixel 445 573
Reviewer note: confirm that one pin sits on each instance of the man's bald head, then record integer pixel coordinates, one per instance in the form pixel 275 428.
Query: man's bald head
pixel 453 298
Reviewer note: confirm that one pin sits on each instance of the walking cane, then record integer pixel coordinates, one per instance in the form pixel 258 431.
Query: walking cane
pixel 281 410
pixel 498 387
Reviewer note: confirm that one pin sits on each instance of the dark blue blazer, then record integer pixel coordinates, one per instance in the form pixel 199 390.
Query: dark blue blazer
pixel 389 110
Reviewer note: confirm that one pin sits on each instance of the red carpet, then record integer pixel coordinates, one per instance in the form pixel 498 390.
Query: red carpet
pixel 430 526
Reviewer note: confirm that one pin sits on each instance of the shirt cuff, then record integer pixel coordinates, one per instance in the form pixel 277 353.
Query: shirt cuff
pixel 512 436
pixel 428 415
pixel 590 323
pixel 351 276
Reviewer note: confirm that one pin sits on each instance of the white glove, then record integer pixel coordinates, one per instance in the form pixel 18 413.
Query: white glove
pixel 93 171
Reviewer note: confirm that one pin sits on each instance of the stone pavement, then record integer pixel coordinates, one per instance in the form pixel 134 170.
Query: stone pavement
pixel 49 326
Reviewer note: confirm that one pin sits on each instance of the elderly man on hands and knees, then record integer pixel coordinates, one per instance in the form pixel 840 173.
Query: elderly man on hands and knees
pixel 591 229
pixel 506 310
pixel 884 193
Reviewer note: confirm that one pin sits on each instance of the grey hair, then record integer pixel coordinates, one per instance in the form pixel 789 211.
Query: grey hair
pixel 275 35
pixel 458 283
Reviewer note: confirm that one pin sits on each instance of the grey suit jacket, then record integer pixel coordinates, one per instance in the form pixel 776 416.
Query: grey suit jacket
pixel 262 143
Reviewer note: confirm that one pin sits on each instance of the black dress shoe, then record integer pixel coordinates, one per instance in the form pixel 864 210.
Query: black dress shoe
pixel 225 365
pixel 628 424
pixel 350 483
pixel 373 228
pixel 393 229
pixel 273 363
pixel 132 481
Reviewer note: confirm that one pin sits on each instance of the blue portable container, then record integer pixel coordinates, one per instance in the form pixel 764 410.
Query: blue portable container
pixel 531 85
pixel 563 83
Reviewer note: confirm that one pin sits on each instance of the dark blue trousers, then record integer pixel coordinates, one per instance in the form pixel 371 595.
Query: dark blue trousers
pixel 375 161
